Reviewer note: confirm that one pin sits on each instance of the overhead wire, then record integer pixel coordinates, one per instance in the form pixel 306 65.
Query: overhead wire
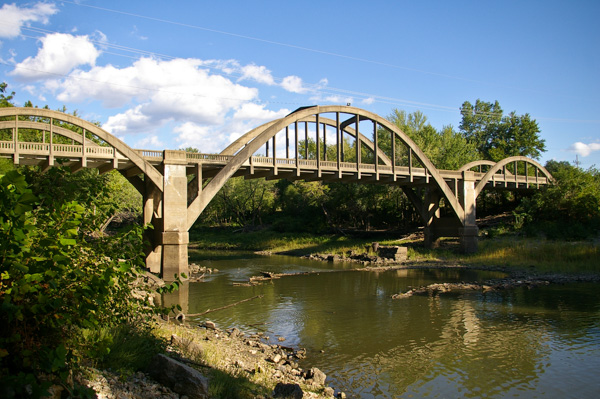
pixel 313 88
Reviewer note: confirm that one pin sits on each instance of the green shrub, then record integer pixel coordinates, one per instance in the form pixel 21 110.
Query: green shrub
pixel 569 209
pixel 55 280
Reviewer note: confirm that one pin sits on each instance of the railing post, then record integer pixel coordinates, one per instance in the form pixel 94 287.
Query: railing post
pixel 287 142
pixel 376 148
pixel 51 147
pixel 339 142
pixel 393 154
pixel 296 148
pixel 16 141
pixel 274 155
pixel 358 152
pixel 83 152
pixel 324 142
pixel 410 169
pixel 318 147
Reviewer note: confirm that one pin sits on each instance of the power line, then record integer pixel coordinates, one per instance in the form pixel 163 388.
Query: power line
pixel 222 32
pixel 313 88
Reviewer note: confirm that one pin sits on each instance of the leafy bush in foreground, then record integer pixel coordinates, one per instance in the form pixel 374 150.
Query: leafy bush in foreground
pixel 54 282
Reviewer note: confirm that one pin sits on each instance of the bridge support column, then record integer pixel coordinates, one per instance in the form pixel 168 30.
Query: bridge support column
pixel 173 237
pixel 469 231
pixel 153 214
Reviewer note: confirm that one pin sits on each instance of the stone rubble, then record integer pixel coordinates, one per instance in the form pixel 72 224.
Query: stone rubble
pixel 239 353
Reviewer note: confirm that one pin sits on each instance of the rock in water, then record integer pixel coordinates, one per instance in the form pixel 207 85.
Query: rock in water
pixel 209 325
pixel 316 375
pixel 179 377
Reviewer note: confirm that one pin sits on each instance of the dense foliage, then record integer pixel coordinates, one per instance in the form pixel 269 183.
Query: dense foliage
pixel 569 209
pixel 497 136
pixel 55 281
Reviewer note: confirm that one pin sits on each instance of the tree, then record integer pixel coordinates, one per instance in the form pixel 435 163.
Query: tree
pixel 497 136
pixel 5 100
pixel 568 209
pixel 242 202
pixel 446 149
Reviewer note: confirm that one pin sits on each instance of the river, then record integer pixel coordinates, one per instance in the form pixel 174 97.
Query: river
pixel 542 342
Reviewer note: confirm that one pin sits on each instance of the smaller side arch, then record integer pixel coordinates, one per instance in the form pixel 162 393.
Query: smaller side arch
pixel 499 165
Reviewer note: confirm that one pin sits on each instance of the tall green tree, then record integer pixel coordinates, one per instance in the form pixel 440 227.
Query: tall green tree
pixel 5 99
pixel 242 202
pixel 447 149
pixel 497 136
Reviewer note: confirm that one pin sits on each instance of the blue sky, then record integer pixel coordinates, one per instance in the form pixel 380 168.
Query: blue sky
pixel 183 73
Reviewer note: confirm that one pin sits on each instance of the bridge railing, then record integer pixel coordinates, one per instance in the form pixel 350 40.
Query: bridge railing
pixel 150 153
pixel 194 156
pixel 32 148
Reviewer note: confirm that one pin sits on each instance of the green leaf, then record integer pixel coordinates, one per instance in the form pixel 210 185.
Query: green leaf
pixel 67 241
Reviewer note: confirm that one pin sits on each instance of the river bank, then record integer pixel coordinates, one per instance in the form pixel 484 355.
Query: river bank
pixel 228 363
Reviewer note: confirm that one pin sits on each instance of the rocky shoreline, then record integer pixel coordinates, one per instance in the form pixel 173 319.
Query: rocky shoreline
pixel 196 352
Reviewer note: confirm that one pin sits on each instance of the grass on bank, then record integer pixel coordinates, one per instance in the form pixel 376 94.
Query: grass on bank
pixel 127 349
pixel 511 251
pixel 540 255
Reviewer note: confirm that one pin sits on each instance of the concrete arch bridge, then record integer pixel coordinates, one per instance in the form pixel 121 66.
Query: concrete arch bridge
pixel 322 143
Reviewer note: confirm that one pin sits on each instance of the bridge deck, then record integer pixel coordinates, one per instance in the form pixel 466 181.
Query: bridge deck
pixel 106 158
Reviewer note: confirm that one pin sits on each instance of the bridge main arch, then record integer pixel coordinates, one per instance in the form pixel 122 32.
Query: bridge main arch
pixel 248 144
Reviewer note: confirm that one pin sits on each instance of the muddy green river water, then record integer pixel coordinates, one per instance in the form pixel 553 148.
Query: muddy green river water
pixel 542 342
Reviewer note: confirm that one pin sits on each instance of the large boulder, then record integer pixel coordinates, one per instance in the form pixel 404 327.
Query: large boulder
pixel 181 378
pixel 292 391
pixel 395 253
pixel 316 376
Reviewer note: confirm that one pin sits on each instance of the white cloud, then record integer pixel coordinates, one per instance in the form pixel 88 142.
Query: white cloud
pixel 368 101
pixel 293 84
pixel 59 55
pixel 131 121
pixel 584 149
pixel 258 73
pixel 150 143
pixel 256 112
pixel 14 18
pixel 178 89
pixel 207 139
